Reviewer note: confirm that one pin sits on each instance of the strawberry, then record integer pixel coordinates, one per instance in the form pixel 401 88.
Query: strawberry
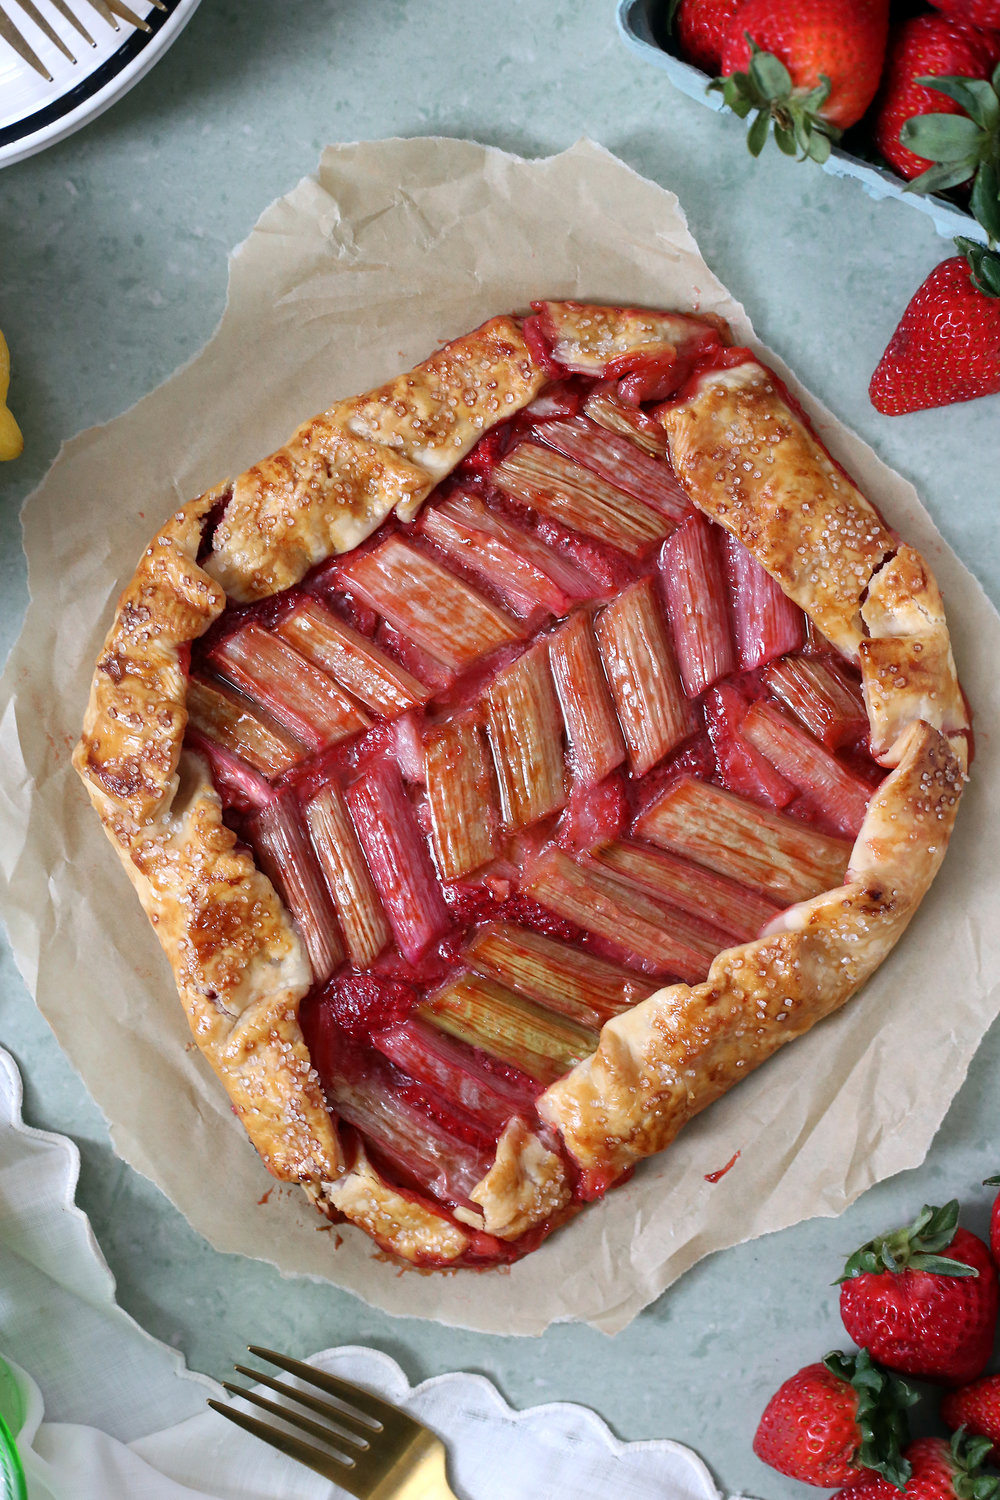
pixel 940 1471
pixel 984 13
pixel 837 1422
pixel 926 55
pixel 976 1408
pixel 700 27
pixel 811 66
pixel 923 1299
pixel 947 345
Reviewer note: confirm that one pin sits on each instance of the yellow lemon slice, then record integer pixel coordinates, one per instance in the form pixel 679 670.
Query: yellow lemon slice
pixel 11 441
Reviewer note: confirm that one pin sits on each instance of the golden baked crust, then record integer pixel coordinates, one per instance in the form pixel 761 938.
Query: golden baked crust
pixel 748 461
pixel 665 1060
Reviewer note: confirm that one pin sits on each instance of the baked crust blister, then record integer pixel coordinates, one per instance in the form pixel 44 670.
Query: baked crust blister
pixel 748 461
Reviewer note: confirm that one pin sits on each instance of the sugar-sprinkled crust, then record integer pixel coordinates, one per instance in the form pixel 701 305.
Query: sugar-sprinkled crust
pixel 669 1057
pixel 750 463
pixel 747 460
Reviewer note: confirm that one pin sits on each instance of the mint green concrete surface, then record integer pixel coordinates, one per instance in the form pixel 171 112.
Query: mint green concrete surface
pixel 113 252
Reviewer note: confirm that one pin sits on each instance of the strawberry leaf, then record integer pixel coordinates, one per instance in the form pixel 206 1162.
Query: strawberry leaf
pixel 968 1454
pixel 916 1246
pixel 785 140
pixel 985 199
pixel 939 178
pixel 757 134
pixel 944 138
pixel 881 1413
pixel 769 73
pixel 974 95
pixel 943 1265
pixel 767 88
pixel 819 147
pixel 985 266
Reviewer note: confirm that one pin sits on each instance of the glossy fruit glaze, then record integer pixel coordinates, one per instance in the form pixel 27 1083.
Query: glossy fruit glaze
pixel 517 764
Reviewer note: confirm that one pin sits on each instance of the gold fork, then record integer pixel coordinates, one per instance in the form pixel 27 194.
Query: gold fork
pixel 372 1449
pixel 108 10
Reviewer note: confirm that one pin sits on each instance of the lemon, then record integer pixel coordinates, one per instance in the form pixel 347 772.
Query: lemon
pixel 11 441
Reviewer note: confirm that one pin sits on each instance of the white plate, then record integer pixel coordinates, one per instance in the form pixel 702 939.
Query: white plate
pixel 35 113
pixel 60 1321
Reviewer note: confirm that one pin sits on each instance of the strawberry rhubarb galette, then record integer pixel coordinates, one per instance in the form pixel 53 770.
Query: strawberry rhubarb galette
pixel 516 759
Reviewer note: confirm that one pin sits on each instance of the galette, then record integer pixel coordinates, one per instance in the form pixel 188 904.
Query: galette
pixel 516 759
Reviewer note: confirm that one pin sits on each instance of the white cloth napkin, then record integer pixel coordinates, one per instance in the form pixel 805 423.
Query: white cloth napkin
pixel 138 1428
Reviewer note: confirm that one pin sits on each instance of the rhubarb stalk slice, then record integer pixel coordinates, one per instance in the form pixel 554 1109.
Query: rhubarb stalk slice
pixel 592 728
pixel 765 621
pixel 237 783
pixel 564 491
pixel 398 858
pixel 227 719
pixel 742 768
pixel 693 579
pixel 587 989
pixel 455 1072
pixel 357 664
pixel 606 407
pixel 368 1094
pixel 286 857
pixel 362 919
pixel 831 789
pixel 749 843
pixel 639 663
pixel 620 462
pixel 460 796
pixel 664 940
pixel 735 909
pixel 524 726
pixel 294 692
pixel 526 573
pixel 489 1016
pixel 442 613
pixel 820 694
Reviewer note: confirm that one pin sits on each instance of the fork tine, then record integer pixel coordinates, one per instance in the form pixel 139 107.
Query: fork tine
pixel 105 13
pixel 297 1419
pixel 13 38
pixel 335 1414
pixel 286 1443
pixel 34 14
pixel 74 20
pixel 126 14
pixel 352 1395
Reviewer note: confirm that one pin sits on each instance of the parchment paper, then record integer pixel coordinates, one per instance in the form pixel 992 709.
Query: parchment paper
pixel 352 277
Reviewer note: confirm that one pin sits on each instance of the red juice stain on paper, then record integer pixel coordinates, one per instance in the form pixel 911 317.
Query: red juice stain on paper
pixel 714 1176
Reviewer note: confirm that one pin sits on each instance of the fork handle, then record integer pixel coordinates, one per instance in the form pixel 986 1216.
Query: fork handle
pixel 424 1477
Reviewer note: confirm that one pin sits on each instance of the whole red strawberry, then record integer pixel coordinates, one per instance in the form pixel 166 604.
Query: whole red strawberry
pixel 921 47
pixel 810 66
pixel 700 27
pixel 946 347
pixel 923 1300
pixel 984 13
pixel 940 1471
pixel 976 1408
pixel 835 1422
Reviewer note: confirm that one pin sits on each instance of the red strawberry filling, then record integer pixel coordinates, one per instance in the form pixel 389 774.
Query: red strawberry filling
pixel 515 765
